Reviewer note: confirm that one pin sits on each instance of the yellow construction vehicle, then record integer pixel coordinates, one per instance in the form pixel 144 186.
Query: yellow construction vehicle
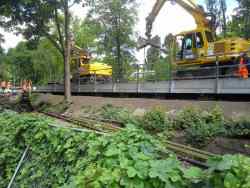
pixel 86 69
pixel 199 47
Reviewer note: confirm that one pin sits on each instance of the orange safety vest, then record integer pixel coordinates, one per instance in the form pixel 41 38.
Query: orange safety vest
pixel 243 70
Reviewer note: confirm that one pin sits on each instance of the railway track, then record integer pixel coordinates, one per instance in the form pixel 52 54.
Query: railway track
pixel 185 153
pixel 88 123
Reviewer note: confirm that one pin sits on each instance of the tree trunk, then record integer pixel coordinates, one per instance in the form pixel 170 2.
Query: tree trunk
pixel 224 19
pixel 67 86
pixel 118 47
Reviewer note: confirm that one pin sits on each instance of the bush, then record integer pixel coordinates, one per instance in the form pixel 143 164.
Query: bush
pixel 189 116
pixel 239 127
pixel 201 134
pixel 155 120
pixel 201 127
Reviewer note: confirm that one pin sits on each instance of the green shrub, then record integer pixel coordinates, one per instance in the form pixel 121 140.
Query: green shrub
pixel 155 120
pixel 239 127
pixel 191 115
pixel 201 127
pixel 201 133
pixel 187 117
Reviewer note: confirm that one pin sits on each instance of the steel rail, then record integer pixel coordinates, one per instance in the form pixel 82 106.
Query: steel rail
pixel 189 151
pixel 86 123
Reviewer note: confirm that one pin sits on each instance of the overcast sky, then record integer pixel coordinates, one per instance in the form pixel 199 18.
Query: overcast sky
pixel 172 19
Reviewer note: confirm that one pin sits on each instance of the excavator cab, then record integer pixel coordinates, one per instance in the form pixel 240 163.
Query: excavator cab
pixel 193 45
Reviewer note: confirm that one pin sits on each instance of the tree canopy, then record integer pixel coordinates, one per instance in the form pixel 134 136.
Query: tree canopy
pixel 43 18
pixel 116 40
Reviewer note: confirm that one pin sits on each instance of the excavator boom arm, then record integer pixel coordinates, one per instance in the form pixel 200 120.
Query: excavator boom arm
pixel 152 16
pixel 198 13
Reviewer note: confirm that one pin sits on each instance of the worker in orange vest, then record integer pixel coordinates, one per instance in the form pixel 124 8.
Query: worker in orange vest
pixel 243 70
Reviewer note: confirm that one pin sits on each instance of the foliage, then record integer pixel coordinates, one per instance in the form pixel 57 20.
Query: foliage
pixel 117 19
pixel 229 172
pixel 118 113
pixel 238 127
pixel 162 69
pixel 86 34
pixel 20 60
pixel 186 117
pixel 47 63
pixel 130 158
pixel 155 120
pixel 40 65
pixel 191 115
pixel 201 134
pixel 4 67
pixel 242 19
pixel 43 18
pixel 52 157
pixel 201 127
pixel 218 10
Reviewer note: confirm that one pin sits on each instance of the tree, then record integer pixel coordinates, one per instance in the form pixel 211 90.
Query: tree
pixel 242 18
pixel 40 65
pixel 1 41
pixel 217 9
pixel 19 60
pixel 213 10
pixel 47 63
pixel 117 19
pixel 36 18
pixel 86 33
pixel 223 20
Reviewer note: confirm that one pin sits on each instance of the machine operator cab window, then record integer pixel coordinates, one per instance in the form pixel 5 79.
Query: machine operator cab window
pixel 188 45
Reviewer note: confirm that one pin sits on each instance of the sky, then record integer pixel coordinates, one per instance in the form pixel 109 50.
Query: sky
pixel 172 19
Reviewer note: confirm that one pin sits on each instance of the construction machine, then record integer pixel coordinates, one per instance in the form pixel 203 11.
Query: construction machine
pixel 85 69
pixel 198 47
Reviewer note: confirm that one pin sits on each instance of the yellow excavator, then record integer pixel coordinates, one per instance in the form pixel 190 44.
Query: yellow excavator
pixel 199 47
pixel 86 69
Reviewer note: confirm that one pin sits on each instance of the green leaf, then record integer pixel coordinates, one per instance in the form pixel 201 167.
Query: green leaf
pixel 112 151
pixel 131 172
pixel 231 181
pixel 193 173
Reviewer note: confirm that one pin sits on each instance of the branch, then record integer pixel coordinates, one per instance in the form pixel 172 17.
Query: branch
pixel 51 39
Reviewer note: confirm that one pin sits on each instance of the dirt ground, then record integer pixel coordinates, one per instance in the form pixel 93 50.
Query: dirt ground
pixel 229 108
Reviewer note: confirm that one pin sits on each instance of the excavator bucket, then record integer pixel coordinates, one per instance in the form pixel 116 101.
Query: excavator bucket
pixel 142 42
pixel 154 42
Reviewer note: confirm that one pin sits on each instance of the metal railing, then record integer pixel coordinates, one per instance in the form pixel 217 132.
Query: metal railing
pixel 156 79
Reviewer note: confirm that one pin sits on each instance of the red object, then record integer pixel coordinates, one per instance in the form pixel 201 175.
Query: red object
pixel 243 70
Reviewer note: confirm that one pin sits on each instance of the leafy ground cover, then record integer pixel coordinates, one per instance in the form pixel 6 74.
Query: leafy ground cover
pixel 129 159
